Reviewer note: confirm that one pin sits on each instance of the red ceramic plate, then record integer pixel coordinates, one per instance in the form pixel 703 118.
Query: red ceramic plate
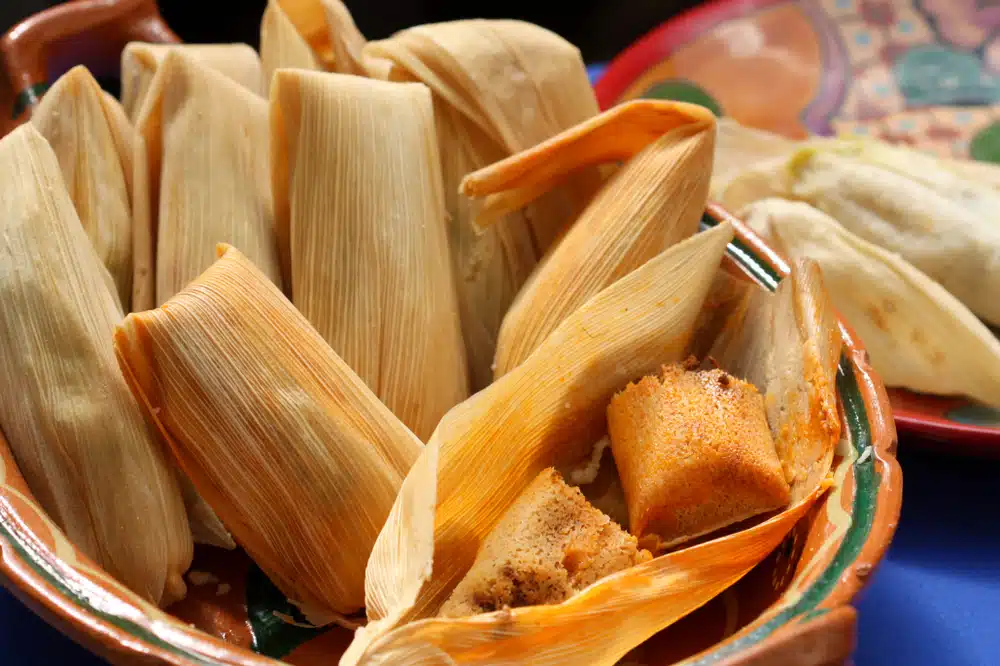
pixel 925 73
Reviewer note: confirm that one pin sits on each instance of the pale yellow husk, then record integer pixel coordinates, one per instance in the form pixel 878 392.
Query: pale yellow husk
pixel 499 87
pixel 292 450
pixel 77 434
pixel 918 335
pixel 361 226
pixel 953 242
pixel 739 147
pixel 547 412
pixel 655 200
pixel 202 178
pixel 310 34
pixel 140 62
pixel 93 142
pixel 788 345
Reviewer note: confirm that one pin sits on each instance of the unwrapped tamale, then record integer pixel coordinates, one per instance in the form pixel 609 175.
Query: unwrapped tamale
pixel 76 432
pixel 549 545
pixel 140 62
pixel 94 142
pixel 202 178
pixel 361 226
pixel 288 446
pixel 695 454
pixel 499 87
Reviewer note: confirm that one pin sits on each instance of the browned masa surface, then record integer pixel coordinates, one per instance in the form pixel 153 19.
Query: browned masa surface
pixel 694 453
pixel 550 544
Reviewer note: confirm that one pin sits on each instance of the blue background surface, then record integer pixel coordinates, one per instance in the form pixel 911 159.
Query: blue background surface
pixel 934 601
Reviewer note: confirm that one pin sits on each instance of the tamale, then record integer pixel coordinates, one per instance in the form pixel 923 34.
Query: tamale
pixel 281 44
pixel 655 200
pixel 944 229
pixel 917 334
pixel 77 434
pixel 361 226
pixel 547 412
pixel 739 147
pixel 310 34
pixel 141 61
pixel 695 454
pixel 499 87
pixel 202 178
pixel 288 446
pixel 549 545
pixel 94 142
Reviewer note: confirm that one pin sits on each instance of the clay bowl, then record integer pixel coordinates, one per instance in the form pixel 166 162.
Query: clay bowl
pixel 793 608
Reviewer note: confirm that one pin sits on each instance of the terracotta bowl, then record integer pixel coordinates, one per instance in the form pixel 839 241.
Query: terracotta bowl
pixel 794 608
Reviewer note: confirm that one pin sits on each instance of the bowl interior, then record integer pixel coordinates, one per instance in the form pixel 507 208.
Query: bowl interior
pixel 233 613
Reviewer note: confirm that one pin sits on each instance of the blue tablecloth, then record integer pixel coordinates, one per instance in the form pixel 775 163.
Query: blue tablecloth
pixel 935 600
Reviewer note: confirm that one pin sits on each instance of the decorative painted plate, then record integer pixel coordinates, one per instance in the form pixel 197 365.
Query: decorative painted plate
pixel 921 72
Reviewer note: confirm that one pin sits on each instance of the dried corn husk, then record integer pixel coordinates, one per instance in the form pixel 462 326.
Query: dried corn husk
pixel 77 434
pixel 918 335
pixel 547 412
pixel 287 444
pixel 202 178
pixel 560 393
pixel 360 219
pixel 925 169
pixel 739 147
pixel 934 231
pixel 655 200
pixel 310 34
pixel 499 87
pixel 140 62
pixel 94 142
pixel 788 345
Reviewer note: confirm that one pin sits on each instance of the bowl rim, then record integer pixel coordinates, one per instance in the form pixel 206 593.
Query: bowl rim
pixel 123 628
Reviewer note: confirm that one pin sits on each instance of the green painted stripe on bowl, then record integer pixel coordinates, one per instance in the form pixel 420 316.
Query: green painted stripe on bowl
pixel 28 553
pixel 28 97
pixel 867 483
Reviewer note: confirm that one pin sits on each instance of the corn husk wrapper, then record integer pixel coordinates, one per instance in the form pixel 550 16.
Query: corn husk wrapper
pixel 788 345
pixel 140 62
pixel 499 87
pixel 292 450
pixel 77 434
pixel 93 142
pixel 935 232
pixel 918 335
pixel 655 200
pixel 310 34
pixel 370 271
pixel 549 411
pixel 929 171
pixel 737 148
pixel 202 178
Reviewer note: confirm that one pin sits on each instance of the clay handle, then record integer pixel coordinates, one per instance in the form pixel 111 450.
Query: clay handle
pixel 91 32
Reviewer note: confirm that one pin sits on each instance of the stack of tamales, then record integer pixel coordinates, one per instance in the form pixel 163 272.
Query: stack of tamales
pixel 366 324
